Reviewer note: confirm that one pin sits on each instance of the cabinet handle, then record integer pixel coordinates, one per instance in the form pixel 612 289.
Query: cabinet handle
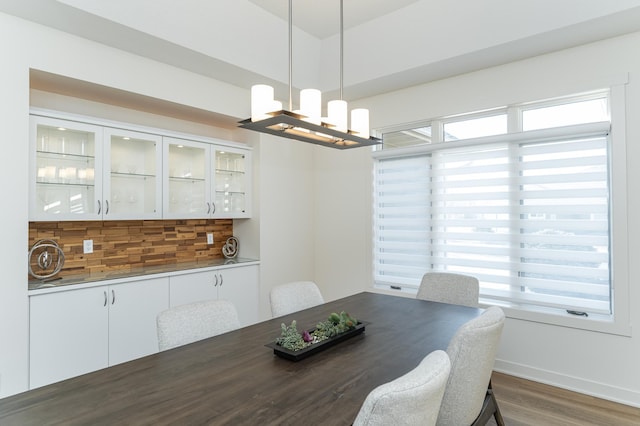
pixel 221 280
pixel 106 206
pixel 99 207
pixel 216 283
pixel 113 296
pixel 105 298
pixel 214 207
pixel 208 207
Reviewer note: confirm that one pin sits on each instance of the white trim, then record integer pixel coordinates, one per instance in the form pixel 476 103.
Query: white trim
pixel 575 384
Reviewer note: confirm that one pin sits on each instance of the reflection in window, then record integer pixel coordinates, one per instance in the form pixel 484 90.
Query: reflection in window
pixel 403 138
pixel 476 128
pixel 591 111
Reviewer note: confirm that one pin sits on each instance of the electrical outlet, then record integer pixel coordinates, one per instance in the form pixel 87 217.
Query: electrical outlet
pixel 87 246
pixel 210 238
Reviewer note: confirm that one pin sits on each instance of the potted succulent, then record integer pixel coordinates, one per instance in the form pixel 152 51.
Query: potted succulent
pixel 295 345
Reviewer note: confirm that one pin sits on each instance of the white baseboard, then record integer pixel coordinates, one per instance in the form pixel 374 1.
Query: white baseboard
pixel 575 384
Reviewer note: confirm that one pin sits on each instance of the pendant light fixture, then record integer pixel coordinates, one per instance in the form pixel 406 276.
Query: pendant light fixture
pixel 307 124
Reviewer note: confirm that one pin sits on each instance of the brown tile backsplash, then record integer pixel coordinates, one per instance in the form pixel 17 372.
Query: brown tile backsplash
pixel 121 245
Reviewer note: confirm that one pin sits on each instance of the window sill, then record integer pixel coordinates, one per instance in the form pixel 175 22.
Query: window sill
pixel 594 322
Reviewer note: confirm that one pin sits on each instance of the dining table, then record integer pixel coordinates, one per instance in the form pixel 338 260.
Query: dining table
pixel 234 378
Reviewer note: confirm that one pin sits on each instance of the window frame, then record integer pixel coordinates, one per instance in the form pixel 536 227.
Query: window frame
pixel 619 321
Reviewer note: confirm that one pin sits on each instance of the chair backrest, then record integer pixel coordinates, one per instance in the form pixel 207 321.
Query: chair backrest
pixel 188 323
pixel 293 297
pixel 447 287
pixel 412 399
pixel 472 351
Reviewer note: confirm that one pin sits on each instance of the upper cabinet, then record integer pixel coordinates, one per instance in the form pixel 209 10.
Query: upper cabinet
pixel 83 171
pixel 66 170
pixel 232 182
pixel 132 187
pixel 205 181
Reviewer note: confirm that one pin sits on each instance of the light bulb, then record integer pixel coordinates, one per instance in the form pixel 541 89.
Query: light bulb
pixel 261 101
pixel 311 105
pixel 337 114
pixel 360 122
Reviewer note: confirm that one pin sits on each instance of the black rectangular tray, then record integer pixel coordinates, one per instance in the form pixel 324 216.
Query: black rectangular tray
pixel 316 347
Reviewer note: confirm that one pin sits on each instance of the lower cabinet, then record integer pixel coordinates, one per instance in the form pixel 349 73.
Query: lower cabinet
pixel 82 330
pixel 239 285
pixel 79 330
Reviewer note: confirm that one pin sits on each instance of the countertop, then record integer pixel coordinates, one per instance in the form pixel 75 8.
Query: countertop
pixel 63 280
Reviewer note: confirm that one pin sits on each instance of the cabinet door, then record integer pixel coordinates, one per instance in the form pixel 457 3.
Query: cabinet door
pixel 133 308
pixel 187 185
pixel 231 182
pixel 65 170
pixel 132 166
pixel 240 286
pixel 68 334
pixel 188 288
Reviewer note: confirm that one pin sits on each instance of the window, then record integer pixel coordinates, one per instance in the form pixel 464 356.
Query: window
pixel 527 213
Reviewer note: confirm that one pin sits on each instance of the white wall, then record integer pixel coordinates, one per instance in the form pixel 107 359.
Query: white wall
pixel 284 174
pixel 600 364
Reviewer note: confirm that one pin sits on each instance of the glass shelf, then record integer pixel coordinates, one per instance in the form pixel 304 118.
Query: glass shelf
pixel 63 184
pixel 131 175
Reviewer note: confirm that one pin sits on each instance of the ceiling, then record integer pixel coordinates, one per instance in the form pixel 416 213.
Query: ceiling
pixel 389 45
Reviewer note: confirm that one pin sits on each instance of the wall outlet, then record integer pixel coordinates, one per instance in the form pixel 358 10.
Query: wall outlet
pixel 87 246
pixel 209 238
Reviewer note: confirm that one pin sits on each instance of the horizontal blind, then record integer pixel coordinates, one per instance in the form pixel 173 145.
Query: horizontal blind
pixel 401 220
pixel 529 219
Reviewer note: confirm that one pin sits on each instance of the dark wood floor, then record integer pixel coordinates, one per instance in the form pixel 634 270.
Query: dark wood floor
pixel 523 402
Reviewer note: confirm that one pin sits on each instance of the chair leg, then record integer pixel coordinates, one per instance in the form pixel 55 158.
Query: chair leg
pixel 496 414
pixel 489 409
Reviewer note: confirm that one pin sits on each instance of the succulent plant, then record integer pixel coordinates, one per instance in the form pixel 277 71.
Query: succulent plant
pixel 336 324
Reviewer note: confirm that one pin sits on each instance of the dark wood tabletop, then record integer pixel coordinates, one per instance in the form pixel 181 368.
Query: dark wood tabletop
pixel 234 379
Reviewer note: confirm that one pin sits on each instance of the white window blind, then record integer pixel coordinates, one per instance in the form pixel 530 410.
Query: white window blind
pixel 529 218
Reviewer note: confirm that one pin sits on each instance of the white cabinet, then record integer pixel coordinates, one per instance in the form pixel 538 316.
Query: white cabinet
pixel 67 335
pixel 85 172
pixel 133 308
pixel 232 182
pixel 82 330
pixel 204 180
pixel 239 285
pixel 66 170
pixel 132 167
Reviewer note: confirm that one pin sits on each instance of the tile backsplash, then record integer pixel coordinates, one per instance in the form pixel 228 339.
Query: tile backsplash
pixel 122 245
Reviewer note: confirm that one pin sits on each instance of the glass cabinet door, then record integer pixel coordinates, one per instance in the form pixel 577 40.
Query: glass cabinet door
pixel 66 170
pixel 231 181
pixel 132 186
pixel 187 188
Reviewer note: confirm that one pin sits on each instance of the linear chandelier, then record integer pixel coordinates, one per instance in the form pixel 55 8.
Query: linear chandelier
pixel 307 125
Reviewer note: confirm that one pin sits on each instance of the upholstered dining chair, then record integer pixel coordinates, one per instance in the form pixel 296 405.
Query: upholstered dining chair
pixel 191 322
pixel 293 297
pixel 412 399
pixel 447 287
pixel 468 398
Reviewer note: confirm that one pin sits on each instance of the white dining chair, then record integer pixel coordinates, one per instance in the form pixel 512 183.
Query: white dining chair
pixel 191 322
pixel 412 399
pixel 468 398
pixel 293 297
pixel 447 287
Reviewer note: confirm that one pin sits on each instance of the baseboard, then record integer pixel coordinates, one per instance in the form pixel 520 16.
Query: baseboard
pixel 575 384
